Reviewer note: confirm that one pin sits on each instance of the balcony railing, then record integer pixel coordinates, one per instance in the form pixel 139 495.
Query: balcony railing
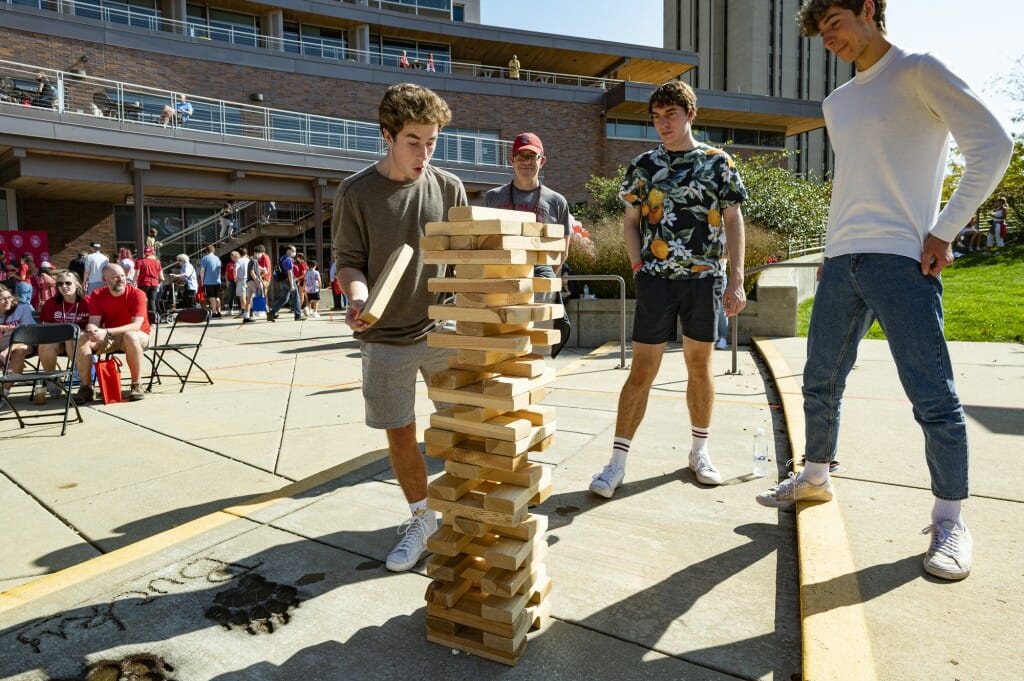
pixel 139 108
pixel 126 15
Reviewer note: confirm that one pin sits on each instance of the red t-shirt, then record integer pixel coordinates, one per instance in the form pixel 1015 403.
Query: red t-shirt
pixel 58 311
pixel 299 270
pixel 147 272
pixel 119 310
pixel 264 261
pixel 229 272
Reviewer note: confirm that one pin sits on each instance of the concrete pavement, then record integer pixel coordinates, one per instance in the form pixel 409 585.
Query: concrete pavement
pixel 122 535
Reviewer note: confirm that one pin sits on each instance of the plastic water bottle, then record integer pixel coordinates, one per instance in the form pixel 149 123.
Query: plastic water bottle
pixel 586 291
pixel 760 454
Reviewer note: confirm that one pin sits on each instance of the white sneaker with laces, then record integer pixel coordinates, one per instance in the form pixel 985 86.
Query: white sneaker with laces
pixel 793 489
pixel 700 464
pixel 416 530
pixel 949 555
pixel 722 344
pixel 605 482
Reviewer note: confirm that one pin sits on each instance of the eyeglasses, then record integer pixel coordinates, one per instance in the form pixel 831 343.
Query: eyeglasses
pixel 65 283
pixel 5 298
pixel 527 158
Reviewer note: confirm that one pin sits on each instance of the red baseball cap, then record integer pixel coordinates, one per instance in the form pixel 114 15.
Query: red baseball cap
pixel 527 140
pixel 148 250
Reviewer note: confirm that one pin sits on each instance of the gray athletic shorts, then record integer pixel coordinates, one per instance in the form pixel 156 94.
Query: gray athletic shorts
pixel 389 380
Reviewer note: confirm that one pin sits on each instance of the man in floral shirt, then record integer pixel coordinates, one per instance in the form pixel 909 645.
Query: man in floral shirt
pixel 682 213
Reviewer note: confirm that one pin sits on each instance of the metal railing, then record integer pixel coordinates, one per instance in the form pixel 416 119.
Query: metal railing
pixel 123 15
pixel 805 246
pixel 139 108
pixel 622 307
pixel 735 321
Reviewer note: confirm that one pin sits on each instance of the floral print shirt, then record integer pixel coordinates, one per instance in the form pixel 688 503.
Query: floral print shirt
pixel 681 196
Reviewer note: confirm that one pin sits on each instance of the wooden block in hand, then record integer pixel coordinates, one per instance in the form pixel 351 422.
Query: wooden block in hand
pixel 460 285
pixel 466 213
pixel 384 288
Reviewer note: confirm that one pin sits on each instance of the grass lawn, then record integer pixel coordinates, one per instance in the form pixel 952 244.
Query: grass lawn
pixel 983 298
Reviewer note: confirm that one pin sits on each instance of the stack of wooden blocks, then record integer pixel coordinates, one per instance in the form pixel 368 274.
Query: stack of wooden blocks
pixel 489 584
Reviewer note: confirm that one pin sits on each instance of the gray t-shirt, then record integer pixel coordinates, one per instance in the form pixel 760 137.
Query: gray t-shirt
pixel 549 206
pixel 372 217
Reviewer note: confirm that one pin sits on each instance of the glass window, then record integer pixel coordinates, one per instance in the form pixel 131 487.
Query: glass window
pixel 772 139
pixel 458 13
pixel 324 42
pixel 291 37
pixel 232 27
pixel 745 137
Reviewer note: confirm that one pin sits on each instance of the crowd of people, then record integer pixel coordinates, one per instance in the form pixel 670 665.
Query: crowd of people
pixel 969 238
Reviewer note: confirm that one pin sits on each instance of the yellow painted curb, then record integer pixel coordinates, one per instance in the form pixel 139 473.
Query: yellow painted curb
pixel 77 574
pixel 836 644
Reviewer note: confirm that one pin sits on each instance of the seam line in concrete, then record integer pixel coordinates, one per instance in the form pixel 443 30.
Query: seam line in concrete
pixel 287 406
pixel 52 511
pixel 836 643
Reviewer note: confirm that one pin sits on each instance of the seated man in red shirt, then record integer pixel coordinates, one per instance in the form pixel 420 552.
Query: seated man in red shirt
pixel 117 322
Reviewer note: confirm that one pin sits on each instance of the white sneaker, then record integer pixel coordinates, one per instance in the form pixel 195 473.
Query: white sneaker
pixel 416 530
pixel 316 315
pixel 722 344
pixel 793 489
pixel 949 555
pixel 605 482
pixel 700 464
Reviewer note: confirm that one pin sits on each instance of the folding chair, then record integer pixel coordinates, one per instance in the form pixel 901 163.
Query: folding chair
pixel 40 334
pixel 192 315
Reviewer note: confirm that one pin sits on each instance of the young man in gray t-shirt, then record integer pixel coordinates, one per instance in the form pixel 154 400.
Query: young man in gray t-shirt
pixel 375 211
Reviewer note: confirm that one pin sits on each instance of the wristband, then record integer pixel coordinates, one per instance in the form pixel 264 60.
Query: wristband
pixel 637 266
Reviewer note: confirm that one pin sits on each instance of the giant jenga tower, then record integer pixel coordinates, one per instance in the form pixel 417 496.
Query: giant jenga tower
pixel 490 586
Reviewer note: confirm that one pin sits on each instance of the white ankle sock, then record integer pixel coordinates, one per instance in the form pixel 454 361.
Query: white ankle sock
pixel 699 439
pixel 620 450
pixel 815 473
pixel 417 506
pixel 944 509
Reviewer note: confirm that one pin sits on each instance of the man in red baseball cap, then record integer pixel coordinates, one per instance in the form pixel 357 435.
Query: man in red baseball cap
pixel 148 277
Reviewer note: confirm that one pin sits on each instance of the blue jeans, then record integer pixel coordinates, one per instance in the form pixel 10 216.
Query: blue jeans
pixel 291 295
pixel 854 291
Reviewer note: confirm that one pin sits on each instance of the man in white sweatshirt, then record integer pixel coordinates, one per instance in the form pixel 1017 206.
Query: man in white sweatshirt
pixel 887 243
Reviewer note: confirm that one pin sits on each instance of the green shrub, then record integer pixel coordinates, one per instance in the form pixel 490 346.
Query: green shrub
pixel 604 254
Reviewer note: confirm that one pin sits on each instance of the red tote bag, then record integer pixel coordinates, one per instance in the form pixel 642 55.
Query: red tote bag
pixel 108 378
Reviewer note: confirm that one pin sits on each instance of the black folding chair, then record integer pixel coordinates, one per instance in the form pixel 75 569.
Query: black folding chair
pixel 35 335
pixel 189 316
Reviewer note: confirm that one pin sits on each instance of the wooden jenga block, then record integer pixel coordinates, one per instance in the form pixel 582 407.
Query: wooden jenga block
pixel 540 590
pixel 537 435
pixel 500 427
pixel 509 314
pixel 475 414
pixel 473 395
pixel 544 336
pixel 481 329
pixel 474 452
pixel 509 343
pixel 439 437
pixel 467 230
pixel 492 299
pixel 451 487
pixel 471 641
pixel 446 541
pixel 514 385
pixel 510 554
pixel 458 258
pixel 508 645
pixel 434 243
pixel 545 285
pixel 540 614
pixel 525 477
pixel 538 395
pixel 456 378
pixel 447 594
pixel 532 257
pixel 469 271
pixel 474 528
pixel 507 583
pixel 524 531
pixel 448 568
pixel 537 414
pixel 540 229
pixel 437 229
pixel 471 505
pixel 504 610
pixel 456 285
pixel 483 358
pixel 543 489
pixel 506 498
pixel 467 213
pixel 385 285
pixel 504 241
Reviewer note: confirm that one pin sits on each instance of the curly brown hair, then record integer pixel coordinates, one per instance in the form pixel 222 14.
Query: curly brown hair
pixel 408 103
pixel 674 92
pixel 812 12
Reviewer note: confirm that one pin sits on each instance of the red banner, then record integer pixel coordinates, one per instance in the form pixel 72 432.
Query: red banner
pixel 17 244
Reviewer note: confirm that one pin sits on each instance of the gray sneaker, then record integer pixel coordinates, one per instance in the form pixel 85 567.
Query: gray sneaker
pixel 416 530
pixel 605 482
pixel 700 464
pixel 792 490
pixel 949 555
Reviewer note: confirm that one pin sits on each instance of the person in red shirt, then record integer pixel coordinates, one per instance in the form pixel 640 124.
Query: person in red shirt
pixel 43 287
pixel 149 274
pixel 299 269
pixel 118 321
pixel 231 277
pixel 68 306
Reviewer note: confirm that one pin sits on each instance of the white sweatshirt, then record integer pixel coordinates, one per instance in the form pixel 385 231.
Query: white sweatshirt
pixel 889 128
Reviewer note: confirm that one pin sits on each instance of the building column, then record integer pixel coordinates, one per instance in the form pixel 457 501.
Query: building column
pixel 139 167
pixel 318 216
pixel 175 10
pixel 359 40
pixel 272 29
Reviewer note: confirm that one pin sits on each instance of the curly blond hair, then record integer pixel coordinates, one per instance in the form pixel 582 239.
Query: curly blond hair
pixel 813 11
pixel 408 103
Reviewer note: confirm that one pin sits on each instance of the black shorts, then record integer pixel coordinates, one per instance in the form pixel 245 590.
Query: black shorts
pixel 661 302
pixel 313 295
pixel 212 290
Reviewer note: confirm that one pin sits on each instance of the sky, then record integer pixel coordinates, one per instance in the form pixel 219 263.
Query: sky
pixel 965 35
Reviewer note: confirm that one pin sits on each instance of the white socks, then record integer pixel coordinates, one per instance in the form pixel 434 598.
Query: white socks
pixel 699 440
pixel 620 450
pixel 944 509
pixel 418 506
pixel 815 473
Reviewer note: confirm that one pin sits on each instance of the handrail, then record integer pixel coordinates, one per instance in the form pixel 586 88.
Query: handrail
pixel 622 307
pixel 83 95
pixel 747 273
pixel 193 30
pixel 198 226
